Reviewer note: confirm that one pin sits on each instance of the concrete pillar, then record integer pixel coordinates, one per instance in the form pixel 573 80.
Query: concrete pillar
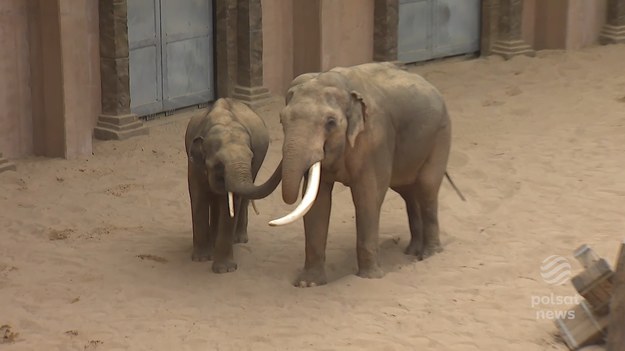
pixel 385 30
pixel 5 165
pixel 509 36
pixel 116 120
pixel 226 46
pixel 614 29
pixel 249 88
pixel 64 66
pixel 489 25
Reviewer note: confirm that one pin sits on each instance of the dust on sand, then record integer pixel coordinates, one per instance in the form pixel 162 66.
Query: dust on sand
pixel 95 253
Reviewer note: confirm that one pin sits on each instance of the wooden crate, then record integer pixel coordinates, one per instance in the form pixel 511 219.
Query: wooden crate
pixel 595 285
pixel 586 328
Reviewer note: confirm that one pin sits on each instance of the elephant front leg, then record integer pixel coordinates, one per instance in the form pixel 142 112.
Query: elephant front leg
pixel 368 200
pixel 223 255
pixel 202 248
pixel 240 233
pixel 316 223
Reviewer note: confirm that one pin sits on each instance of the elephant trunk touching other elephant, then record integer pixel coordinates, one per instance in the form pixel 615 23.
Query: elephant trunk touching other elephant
pixel 225 149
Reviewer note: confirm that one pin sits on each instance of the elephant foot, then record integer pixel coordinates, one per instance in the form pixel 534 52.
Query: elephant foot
pixel 201 254
pixel 431 250
pixel 423 252
pixel 224 266
pixel 240 238
pixel 414 249
pixel 373 272
pixel 311 277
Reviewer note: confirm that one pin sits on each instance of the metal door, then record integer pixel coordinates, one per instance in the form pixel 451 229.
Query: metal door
pixel 437 28
pixel 171 54
pixel 144 42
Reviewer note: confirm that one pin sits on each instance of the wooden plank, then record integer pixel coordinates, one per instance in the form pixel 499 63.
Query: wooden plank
pixel 595 285
pixel 616 329
pixel 586 328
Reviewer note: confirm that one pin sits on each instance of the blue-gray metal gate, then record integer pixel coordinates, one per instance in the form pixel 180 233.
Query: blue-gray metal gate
pixel 171 54
pixel 437 28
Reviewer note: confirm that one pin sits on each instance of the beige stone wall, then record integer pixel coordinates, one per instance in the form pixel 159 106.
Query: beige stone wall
pixel 585 19
pixel 50 69
pixel 277 44
pixel 529 20
pixel 81 73
pixel 306 36
pixel 346 32
pixel 565 24
pixel 16 137
pixel 311 35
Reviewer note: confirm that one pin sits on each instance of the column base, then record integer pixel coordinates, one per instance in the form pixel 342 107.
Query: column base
pixel 253 97
pixel 6 165
pixel 119 127
pixel 612 34
pixel 511 48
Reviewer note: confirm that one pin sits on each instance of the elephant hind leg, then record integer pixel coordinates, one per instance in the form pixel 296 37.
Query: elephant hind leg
pixel 413 210
pixel 427 187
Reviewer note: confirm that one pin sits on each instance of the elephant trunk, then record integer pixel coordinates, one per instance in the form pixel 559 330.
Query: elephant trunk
pixel 296 163
pixel 239 180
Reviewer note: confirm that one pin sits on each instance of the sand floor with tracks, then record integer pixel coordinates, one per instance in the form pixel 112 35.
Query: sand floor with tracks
pixel 95 252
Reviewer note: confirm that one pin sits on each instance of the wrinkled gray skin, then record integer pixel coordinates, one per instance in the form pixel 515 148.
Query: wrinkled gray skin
pixel 225 150
pixel 372 126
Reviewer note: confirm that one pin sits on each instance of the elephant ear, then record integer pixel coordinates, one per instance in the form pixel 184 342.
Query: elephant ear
pixel 196 151
pixel 356 117
pixel 289 95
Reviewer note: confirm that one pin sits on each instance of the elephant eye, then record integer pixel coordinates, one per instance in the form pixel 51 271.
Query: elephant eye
pixel 330 123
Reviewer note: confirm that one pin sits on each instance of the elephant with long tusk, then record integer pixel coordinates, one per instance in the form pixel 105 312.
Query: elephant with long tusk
pixel 225 148
pixel 371 127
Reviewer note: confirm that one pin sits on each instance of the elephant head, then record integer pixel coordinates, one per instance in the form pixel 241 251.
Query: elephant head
pixel 323 116
pixel 225 153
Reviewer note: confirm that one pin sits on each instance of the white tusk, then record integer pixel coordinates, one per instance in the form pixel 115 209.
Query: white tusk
pixel 231 204
pixel 254 207
pixel 314 175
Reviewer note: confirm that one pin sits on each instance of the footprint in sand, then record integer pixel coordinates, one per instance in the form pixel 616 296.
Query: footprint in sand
pixel 100 232
pixel 6 269
pixel 93 344
pixel 152 258
pixel 513 90
pixel 122 189
pixel 492 102
pixel 63 234
pixel 7 335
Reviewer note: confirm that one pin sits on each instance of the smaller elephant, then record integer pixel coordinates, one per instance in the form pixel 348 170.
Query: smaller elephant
pixel 225 149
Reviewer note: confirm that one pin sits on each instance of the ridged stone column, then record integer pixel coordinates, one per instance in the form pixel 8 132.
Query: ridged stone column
pixel 614 29
pixel 5 165
pixel 509 36
pixel 226 46
pixel 249 88
pixel 385 30
pixel 116 120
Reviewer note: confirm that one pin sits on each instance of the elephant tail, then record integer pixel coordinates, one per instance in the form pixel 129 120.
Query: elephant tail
pixel 455 187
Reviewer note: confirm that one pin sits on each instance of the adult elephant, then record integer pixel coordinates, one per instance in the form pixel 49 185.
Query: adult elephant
pixel 370 127
pixel 225 148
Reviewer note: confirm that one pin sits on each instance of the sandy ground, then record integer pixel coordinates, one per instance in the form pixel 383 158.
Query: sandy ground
pixel 95 253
